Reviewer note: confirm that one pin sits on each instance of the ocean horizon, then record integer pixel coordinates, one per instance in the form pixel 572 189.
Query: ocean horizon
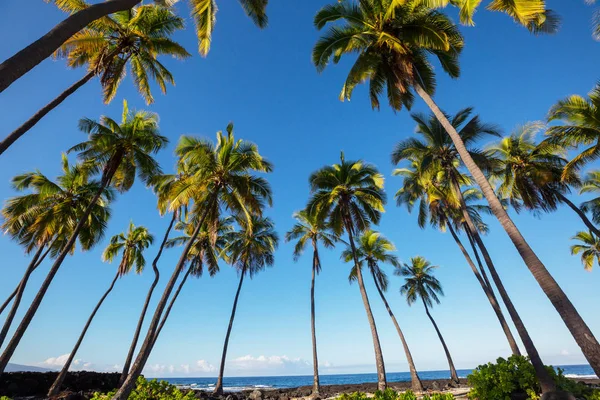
pixel 236 384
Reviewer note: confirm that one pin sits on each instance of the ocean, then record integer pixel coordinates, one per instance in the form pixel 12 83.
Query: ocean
pixel 234 384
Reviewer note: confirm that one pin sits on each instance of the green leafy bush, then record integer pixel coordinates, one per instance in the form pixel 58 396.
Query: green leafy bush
pixel 5 398
pixel 387 394
pixel 408 395
pixel 353 396
pixel 151 390
pixel 439 396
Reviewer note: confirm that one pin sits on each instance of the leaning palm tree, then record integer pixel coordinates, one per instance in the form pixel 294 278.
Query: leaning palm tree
pixel 131 246
pixel 591 184
pixel 589 247
pixel 534 175
pixel 85 15
pixel 372 250
pixel 42 220
pixel 221 176
pixel 249 250
pixel 420 283
pixel 134 37
pixel 350 194
pixel 120 152
pixel 393 40
pixel 310 229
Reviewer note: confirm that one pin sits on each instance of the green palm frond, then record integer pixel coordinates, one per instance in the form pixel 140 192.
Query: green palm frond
pixel 420 282
pixel 589 247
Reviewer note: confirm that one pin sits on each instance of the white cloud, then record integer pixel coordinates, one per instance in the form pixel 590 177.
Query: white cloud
pixel 205 366
pixel 565 353
pixel 57 361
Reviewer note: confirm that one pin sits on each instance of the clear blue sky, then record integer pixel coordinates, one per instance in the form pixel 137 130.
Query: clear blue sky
pixel 265 83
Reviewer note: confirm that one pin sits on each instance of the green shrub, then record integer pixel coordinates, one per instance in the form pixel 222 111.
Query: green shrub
pixel 151 390
pixel 8 398
pixel 387 394
pixel 439 396
pixel 408 395
pixel 353 396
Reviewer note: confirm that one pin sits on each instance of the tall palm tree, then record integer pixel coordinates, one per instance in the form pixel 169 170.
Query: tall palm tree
pixel 438 158
pixel 372 250
pixel 119 152
pixel 221 176
pixel 420 283
pixel 249 250
pixel 131 246
pixel 85 15
pixel 350 194
pixel 135 37
pixel 310 229
pixel 42 219
pixel 393 41
pixel 532 174
pixel 589 247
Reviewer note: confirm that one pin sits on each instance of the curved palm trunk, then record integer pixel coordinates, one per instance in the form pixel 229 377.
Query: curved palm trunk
pixel 146 349
pixel 23 61
pixel 219 385
pixel 416 384
pixel 315 266
pixel 170 306
pixel 489 293
pixel 18 293
pixel 55 388
pixel 580 213
pixel 138 329
pixel 546 382
pixel 576 325
pixel 381 378
pixel 30 123
pixel 479 263
pixel 18 335
pixel 453 374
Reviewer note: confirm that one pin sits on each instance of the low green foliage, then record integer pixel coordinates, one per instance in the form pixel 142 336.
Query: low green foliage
pixel 408 395
pixel 391 394
pixel 151 390
pixel 5 398
pixel 353 396
pixel 439 396
pixel 387 394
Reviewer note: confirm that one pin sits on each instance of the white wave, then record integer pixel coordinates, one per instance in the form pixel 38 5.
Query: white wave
pixel 592 376
pixel 263 386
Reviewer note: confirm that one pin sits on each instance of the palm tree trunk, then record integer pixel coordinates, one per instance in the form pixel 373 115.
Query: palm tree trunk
pixel 546 382
pixel 416 384
pixel 316 384
pixel 146 349
pixel 18 335
pixel 576 325
pixel 479 263
pixel 138 329
pixel 170 306
pixel 381 378
pixel 30 123
pixel 489 293
pixel 219 386
pixel 18 294
pixel 55 388
pixel 580 213
pixel 23 61
pixel 453 374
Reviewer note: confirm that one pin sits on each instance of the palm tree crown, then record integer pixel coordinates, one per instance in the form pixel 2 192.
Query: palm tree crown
pixel 420 282
pixel 250 249
pixel 131 245
pixel 589 247
pixel 310 228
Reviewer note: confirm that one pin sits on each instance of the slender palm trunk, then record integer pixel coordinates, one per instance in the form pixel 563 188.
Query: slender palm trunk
pixel 453 374
pixel 55 388
pixel 219 385
pixel 30 123
pixel 315 266
pixel 146 349
pixel 18 335
pixel 479 263
pixel 546 382
pixel 23 61
pixel 381 378
pixel 138 329
pixel 489 293
pixel 37 260
pixel 576 325
pixel 416 384
pixel 580 213
pixel 170 306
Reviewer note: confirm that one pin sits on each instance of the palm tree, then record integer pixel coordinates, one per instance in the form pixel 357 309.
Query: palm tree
pixel 438 160
pixel 131 245
pixel 135 37
pixel 249 250
pixel 119 152
pixel 309 228
pixel 532 174
pixel 42 220
pixel 220 176
pixel 373 249
pixel 85 15
pixel 420 283
pixel 392 40
pixel 591 184
pixel 589 247
pixel 350 194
